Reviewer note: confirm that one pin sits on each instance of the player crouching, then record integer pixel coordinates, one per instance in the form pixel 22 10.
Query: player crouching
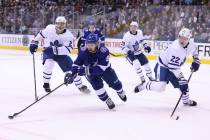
pixel 94 63
pixel 168 67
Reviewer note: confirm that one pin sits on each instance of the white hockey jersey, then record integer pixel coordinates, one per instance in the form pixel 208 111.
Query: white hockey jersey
pixel 175 55
pixel 132 42
pixel 62 44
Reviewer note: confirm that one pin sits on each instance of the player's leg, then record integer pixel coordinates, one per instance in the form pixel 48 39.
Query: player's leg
pixel 48 62
pixel 137 67
pixel 185 97
pixel 47 73
pixel 65 63
pixel 112 80
pixel 159 85
pixel 97 84
pixel 144 62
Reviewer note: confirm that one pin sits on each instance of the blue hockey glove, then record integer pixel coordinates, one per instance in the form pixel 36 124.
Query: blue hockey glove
pixel 131 55
pixel 84 71
pixel 195 65
pixel 147 49
pixel 183 85
pixel 69 78
pixel 33 46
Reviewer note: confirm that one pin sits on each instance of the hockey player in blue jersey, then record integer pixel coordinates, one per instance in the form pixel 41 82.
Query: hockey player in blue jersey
pixel 168 67
pixel 58 43
pixel 94 63
pixel 91 29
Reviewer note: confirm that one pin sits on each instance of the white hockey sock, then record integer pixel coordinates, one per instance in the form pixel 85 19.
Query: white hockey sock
pixel 155 86
pixel 137 67
pixel 47 70
pixel 78 82
pixel 148 70
pixel 185 98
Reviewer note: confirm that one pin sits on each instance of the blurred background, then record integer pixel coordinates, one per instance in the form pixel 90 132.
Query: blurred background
pixel 159 19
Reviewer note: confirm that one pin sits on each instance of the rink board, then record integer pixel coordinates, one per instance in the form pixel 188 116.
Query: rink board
pixel 21 42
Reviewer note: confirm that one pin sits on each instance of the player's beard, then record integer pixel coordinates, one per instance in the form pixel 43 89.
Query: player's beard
pixel 92 50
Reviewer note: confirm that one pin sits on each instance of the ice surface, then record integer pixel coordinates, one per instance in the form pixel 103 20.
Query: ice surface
pixel 67 114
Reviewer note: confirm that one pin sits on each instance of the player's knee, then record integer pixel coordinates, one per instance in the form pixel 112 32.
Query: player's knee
pixel 162 87
pixel 117 85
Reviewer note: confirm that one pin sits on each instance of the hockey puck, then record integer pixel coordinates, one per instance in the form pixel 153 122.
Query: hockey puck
pixel 177 117
pixel 11 117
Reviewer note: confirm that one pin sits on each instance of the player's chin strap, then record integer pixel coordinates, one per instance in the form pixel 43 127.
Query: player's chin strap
pixel 180 96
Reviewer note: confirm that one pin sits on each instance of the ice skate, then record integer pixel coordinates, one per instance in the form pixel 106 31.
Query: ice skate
pixel 84 89
pixel 110 103
pixel 138 88
pixel 122 96
pixel 46 87
pixel 190 103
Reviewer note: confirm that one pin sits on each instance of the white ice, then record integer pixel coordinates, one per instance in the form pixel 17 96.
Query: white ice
pixel 67 114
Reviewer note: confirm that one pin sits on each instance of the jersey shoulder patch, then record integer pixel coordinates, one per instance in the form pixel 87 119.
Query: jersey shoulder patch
pixel 104 50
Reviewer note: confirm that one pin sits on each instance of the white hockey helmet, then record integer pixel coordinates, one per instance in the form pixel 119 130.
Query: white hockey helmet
pixel 134 23
pixel 185 32
pixel 60 19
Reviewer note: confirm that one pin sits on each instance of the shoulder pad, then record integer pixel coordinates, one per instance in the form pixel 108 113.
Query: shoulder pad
pixel 85 30
pixel 50 26
pixel 140 32
pixel 98 29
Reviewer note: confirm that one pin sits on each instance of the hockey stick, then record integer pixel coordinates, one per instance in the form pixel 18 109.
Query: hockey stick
pixel 116 55
pixel 34 68
pixel 15 114
pixel 180 99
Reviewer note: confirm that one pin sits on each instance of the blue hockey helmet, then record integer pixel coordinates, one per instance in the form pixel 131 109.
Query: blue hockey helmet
pixel 92 38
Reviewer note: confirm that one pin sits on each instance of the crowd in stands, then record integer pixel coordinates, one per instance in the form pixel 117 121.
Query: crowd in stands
pixel 159 19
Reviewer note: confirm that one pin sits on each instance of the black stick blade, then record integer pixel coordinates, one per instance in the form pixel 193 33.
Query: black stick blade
pixel 10 117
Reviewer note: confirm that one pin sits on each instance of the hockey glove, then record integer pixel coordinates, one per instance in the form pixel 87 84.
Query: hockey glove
pixel 195 65
pixel 33 46
pixel 183 85
pixel 84 71
pixel 147 49
pixel 69 78
pixel 131 55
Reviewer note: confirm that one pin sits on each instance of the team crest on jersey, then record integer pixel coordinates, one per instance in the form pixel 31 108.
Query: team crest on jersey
pixel 136 45
pixel 103 49
pixel 55 43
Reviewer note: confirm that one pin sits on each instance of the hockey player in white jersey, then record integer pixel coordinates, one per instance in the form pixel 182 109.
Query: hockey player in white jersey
pixel 168 67
pixel 133 45
pixel 58 43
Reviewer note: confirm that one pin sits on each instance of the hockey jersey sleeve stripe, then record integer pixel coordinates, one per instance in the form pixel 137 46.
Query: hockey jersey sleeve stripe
pixel 68 49
pixel 42 34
